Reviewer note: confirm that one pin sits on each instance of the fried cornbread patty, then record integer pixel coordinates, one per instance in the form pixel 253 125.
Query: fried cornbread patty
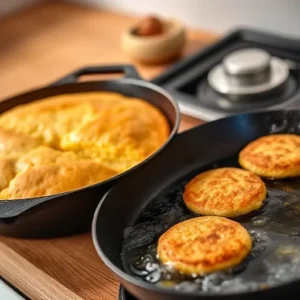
pixel 273 156
pixel 85 137
pixel 204 244
pixel 226 192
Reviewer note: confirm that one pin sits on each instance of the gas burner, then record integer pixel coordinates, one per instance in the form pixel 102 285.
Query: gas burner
pixel 245 71
pixel 248 72
pixel 247 79
pixel 210 98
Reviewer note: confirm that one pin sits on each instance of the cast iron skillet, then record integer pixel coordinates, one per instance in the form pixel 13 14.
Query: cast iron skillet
pixel 139 208
pixel 72 212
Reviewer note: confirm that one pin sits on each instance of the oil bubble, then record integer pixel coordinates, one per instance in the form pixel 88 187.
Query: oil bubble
pixel 153 277
pixel 260 221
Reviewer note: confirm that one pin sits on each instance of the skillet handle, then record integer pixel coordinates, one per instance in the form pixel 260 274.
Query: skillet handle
pixel 129 71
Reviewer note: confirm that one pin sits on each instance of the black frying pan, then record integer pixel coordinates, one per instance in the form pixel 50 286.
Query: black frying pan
pixel 139 208
pixel 72 212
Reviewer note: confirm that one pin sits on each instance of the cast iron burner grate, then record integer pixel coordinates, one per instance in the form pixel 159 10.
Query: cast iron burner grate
pixel 187 79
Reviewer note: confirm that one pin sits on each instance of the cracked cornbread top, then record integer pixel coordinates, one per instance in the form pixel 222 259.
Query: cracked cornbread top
pixel 70 141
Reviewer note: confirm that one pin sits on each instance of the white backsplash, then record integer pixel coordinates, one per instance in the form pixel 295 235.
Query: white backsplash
pixel 280 16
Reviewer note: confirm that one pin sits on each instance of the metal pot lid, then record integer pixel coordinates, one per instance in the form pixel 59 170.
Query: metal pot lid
pixel 248 72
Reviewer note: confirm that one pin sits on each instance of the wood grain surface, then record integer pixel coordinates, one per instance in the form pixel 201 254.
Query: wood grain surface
pixel 37 46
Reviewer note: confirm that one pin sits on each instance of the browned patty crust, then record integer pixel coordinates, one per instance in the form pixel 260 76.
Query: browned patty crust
pixel 226 192
pixel 273 156
pixel 204 244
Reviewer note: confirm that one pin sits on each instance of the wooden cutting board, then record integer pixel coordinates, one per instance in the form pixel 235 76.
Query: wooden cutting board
pixel 38 46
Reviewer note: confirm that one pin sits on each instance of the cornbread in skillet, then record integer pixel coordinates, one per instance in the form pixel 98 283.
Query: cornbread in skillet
pixel 67 142
pixel 204 244
pixel 51 118
pixel 55 178
pixel 7 172
pixel 227 192
pixel 273 156
pixel 44 156
pixel 134 128
pixel 14 145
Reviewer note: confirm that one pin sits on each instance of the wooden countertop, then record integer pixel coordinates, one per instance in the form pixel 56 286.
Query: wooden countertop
pixel 37 46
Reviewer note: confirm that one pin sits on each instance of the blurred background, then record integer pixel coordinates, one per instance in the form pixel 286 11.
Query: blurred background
pixel 281 16
pixel 42 40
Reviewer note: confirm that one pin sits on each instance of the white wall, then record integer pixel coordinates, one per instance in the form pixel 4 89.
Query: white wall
pixel 281 16
pixel 10 6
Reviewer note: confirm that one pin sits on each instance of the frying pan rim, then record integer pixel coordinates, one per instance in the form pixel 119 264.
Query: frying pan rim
pixel 136 82
pixel 151 287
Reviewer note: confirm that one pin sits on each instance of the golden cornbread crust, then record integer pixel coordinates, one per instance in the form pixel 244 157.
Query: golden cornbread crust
pixel 273 156
pixel 53 179
pixel 227 192
pixel 70 141
pixel 204 244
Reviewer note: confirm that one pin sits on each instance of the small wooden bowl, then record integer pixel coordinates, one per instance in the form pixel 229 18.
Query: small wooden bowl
pixel 157 48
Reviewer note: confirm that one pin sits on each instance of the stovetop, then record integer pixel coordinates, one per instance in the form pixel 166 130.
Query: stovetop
pixel 124 295
pixel 187 80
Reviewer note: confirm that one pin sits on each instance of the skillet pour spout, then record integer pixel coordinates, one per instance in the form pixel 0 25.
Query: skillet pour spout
pixel 72 212
pixel 147 202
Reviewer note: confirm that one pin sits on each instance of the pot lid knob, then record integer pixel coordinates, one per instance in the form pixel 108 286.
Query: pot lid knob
pixel 247 62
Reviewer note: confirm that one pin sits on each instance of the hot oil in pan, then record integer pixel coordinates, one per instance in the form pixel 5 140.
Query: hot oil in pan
pixel 275 229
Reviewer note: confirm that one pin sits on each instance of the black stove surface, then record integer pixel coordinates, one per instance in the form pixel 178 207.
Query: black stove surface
pixel 187 79
pixel 124 295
